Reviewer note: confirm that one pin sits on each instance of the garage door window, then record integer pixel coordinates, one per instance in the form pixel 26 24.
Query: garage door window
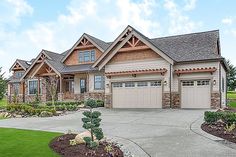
pixel 202 82
pixel 129 84
pixel 142 84
pixel 155 83
pixel 188 83
pixel 116 85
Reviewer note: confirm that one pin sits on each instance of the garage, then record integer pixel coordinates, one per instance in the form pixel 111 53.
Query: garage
pixel 195 94
pixel 139 94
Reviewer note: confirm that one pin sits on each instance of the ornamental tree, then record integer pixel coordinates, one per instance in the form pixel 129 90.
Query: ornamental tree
pixel 91 123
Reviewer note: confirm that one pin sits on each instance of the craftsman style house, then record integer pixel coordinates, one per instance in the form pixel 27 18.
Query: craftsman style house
pixel 133 71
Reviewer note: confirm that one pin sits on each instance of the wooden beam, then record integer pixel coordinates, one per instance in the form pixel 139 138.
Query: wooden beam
pixel 84 47
pixel 133 48
pixel 162 72
pixel 47 74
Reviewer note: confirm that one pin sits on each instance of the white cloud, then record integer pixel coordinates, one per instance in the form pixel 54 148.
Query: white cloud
pixel 178 22
pixel 190 4
pixel 227 21
pixel 21 7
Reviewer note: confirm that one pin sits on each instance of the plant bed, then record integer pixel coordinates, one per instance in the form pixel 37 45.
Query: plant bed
pixel 218 129
pixel 62 146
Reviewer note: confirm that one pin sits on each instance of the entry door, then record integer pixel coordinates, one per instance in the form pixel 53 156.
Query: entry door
pixel 82 85
pixel 195 94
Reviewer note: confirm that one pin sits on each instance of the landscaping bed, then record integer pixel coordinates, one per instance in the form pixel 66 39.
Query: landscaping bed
pixel 62 146
pixel 221 123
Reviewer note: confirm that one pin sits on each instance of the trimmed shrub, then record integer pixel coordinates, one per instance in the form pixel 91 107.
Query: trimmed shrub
pixel 100 103
pixel 227 117
pixel 211 117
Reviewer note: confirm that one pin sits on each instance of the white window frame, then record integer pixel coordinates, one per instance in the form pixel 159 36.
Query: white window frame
pixel 117 84
pixel 37 88
pixel 127 84
pixel 81 55
pixel 102 82
pixel 142 84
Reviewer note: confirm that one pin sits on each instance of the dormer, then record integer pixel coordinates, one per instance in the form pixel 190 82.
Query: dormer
pixel 18 68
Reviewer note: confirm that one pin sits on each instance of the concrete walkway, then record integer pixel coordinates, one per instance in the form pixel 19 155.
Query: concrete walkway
pixel 158 132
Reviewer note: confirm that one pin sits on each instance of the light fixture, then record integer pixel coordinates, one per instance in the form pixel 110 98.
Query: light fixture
pixel 165 83
pixel 214 82
pixel 107 85
pixel 133 75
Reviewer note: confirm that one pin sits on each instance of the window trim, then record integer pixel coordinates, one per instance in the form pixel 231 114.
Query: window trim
pixel 81 53
pixel 102 82
pixel 37 89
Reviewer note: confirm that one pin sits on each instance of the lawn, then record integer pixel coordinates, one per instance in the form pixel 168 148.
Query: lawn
pixel 23 143
pixel 231 95
pixel 3 102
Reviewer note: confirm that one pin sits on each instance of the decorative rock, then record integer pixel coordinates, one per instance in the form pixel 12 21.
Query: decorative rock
pixel 46 114
pixel 79 139
pixel 18 116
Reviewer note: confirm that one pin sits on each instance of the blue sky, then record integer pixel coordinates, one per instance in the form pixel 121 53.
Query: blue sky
pixel 27 26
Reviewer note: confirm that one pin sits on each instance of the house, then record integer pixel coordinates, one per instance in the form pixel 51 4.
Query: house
pixel 133 71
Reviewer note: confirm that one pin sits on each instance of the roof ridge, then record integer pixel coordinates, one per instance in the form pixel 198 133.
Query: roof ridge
pixel 95 38
pixel 216 30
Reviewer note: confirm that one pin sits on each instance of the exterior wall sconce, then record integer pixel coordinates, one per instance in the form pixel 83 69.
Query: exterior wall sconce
pixel 214 82
pixel 133 75
pixel 165 83
pixel 107 85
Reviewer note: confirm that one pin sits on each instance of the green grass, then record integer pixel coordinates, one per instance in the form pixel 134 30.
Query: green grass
pixel 3 102
pixel 232 104
pixel 26 143
pixel 231 95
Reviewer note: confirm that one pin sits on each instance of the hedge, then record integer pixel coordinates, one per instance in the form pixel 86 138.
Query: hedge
pixel 226 117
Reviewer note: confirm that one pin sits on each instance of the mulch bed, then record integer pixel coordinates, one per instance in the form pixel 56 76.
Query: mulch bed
pixel 217 129
pixel 62 146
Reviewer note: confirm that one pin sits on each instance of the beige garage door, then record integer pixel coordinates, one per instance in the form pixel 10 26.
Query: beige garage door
pixel 143 94
pixel 195 94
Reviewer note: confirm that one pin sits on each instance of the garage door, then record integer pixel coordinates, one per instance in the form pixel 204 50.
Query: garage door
pixel 195 94
pixel 143 94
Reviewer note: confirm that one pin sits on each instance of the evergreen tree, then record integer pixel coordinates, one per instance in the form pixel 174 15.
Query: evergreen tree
pixel 2 84
pixel 231 76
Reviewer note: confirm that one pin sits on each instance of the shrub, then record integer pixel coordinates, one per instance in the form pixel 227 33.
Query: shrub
pixel 227 117
pixel 229 128
pixel 100 103
pixel 46 114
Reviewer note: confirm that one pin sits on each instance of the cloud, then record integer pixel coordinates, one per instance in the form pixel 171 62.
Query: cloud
pixel 178 21
pixel 227 21
pixel 190 4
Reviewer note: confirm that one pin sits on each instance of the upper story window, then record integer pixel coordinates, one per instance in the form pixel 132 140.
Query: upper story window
pixel 87 56
pixel 18 74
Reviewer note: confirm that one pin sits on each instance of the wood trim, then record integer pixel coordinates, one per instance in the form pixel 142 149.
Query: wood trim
pixel 146 71
pixel 84 47
pixel 133 48
pixel 195 70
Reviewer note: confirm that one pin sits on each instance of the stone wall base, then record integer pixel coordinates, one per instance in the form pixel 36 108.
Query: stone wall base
pixel 166 100
pixel 18 99
pixel 215 100
pixel 93 95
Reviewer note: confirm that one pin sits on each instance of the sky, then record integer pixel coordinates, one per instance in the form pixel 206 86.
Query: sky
pixel 28 26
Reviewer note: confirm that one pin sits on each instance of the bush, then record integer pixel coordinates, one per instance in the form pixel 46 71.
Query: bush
pixel 100 103
pixel 46 114
pixel 227 117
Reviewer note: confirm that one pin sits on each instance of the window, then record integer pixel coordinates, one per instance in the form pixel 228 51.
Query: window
pixel 16 88
pixel 223 84
pixel 33 87
pixel 19 74
pixel 142 84
pixel 188 83
pixel 118 84
pixel 70 86
pixel 202 82
pixel 87 56
pixel 155 83
pixel 99 82
pixel 129 84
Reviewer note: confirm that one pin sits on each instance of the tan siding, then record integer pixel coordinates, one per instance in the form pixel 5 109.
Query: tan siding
pixel 214 76
pixel 223 93
pixel 135 55
pixel 73 57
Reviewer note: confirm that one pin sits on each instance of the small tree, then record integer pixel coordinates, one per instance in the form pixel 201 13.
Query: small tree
pixel 91 123
pixel 231 76
pixel 3 84
pixel 51 85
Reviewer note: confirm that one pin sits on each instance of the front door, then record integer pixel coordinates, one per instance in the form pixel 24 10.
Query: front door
pixel 82 85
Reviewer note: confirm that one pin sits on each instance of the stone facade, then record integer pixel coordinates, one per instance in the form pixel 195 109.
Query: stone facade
pixel 175 100
pixel 108 100
pixel 166 100
pixel 93 95
pixel 215 100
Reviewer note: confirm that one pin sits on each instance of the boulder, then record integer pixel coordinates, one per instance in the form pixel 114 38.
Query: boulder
pixel 80 137
pixel 18 116
pixel 46 114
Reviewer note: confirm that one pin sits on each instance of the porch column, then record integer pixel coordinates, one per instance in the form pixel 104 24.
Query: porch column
pixel 60 94
pixel 39 86
pixel 60 84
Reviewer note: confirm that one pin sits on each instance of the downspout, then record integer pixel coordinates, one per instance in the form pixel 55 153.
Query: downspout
pixel 220 84
pixel 170 86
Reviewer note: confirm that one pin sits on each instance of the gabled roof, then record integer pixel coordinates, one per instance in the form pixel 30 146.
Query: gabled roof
pixel 101 45
pixel 24 64
pixel 190 47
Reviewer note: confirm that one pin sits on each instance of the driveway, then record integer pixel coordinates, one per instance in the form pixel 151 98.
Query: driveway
pixel 158 132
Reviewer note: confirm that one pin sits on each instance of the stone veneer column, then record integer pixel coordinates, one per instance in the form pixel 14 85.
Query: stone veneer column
pixel 175 100
pixel 166 100
pixel 60 96
pixel 108 100
pixel 215 100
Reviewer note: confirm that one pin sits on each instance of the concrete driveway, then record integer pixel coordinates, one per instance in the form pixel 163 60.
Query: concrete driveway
pixel 168 133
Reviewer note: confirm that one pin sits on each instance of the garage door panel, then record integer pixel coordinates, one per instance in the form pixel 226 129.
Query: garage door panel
pixel 141 95
pixel 195 94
